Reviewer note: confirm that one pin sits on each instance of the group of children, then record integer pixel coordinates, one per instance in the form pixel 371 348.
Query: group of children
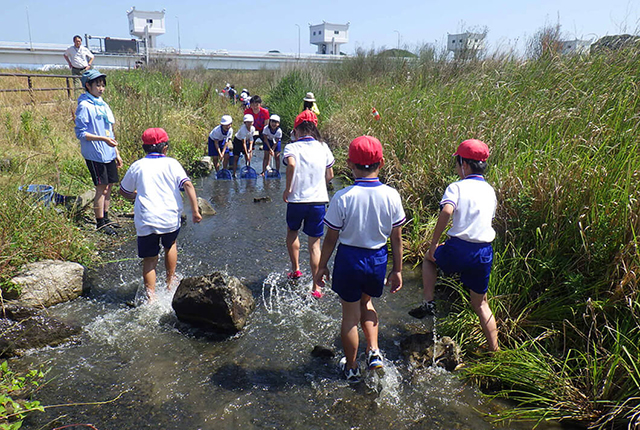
pixel 257 124
pixel 360 218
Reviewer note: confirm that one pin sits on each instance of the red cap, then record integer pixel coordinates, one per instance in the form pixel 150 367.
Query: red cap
pixel 151 136
pixel 365 150
pixel 473 149
pixel 306 115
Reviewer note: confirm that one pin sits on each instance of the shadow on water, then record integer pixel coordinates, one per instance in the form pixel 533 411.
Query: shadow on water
pixel 172 377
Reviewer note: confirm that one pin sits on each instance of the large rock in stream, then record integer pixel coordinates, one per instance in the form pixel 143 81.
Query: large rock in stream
pixel 25 328
pixel 217 302
pixel 421 351
pixel 49 282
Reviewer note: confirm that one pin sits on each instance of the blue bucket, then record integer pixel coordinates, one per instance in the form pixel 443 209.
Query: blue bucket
pixel 223 174
pixel 37 192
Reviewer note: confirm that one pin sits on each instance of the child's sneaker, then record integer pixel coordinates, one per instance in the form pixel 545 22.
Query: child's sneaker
pixel 294 275
pixel 425 309
pixel 352 375
pixel 374 359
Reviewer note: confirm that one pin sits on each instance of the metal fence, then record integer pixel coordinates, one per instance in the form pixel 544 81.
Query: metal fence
pixel 32 89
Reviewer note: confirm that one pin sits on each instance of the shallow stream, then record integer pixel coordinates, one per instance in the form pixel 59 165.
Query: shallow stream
pixel 166 377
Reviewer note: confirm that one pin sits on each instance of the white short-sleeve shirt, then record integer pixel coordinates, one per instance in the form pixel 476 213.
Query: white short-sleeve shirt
pixel 273 136
pixel 313 158
pixel 243 133
pixel 157 180
pixel 365 213
pixel 216 134
pixel 474 207
pixel 78 56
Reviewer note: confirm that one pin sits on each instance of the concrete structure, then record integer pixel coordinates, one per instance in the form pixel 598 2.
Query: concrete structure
pixel 49 56
pixel 576 46
pixel 465 45
pixel 328 37
pixel 146 25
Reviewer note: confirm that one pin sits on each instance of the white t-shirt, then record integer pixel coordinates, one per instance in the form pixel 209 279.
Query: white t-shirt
pixel 272 136
pixel 78 56
pixel 158 206
pixel 365 213
pixel 313 158
pixel 217 134
pixel 474 207
pixel 243 133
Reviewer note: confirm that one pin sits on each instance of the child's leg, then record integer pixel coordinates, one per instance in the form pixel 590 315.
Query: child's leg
pixel 149 275
pixel 314 259
pixel 349 331
pixel 277 157
pixel 429 277
pixel 107 199
pixel 225 163
pixel 216 163
pixel 235 163
pixel 293 247
pixel 265 160
pixel 369 322
pixel 170 263
pixel 487 320
pixel 99 200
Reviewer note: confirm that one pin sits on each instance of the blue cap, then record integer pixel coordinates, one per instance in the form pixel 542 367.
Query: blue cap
pixel 90 75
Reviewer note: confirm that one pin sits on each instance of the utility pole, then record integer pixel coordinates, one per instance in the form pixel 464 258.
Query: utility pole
pixel 298 40
pixel 398 38
pixel 178 20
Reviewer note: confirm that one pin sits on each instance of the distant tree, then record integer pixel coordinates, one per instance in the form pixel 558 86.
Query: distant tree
pixel 546 42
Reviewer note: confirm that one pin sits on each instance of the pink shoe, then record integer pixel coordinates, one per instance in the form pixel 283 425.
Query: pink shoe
pixel 317 294
pixel 294 275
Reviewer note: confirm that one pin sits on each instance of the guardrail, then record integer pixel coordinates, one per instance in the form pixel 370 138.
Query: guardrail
pixel 70 87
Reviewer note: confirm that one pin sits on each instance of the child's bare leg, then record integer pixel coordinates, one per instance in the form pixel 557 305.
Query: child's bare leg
pixel 235 164
pixel 99 199
pixel 170 263
pixel 265 161
pixel 314 258
pixel 293 247
pixel 369 322
pixel 149 275
pixel 349 331
pixel 481 307
pixel 107 199
pixel 429 277
pixel 225 162
pixel 216 163
pixel 277 157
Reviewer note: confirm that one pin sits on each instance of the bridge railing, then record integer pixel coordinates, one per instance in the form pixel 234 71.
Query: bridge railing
pixel 70 85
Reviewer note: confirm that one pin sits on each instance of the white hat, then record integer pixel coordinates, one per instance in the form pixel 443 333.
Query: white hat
pixel 248 118
pixel 309 97
pixel 226 120
pixel 274 118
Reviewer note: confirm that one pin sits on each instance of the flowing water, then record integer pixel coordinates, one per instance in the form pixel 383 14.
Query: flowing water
pixel 163 375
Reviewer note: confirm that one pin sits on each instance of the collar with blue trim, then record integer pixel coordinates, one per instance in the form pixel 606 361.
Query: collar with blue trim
pixel 367 182
pixel 155 155
pixel 475 176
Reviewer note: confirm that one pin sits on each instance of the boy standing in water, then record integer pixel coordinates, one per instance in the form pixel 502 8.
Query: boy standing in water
pixel 309 164
pixel 468 251
pixel 94 129
pixel 272 143
pixel 218 142
pixel 155 182
pixel 243 142
pixel 362 216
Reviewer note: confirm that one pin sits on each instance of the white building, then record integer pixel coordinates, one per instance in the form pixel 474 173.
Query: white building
pixel 577 46
pixel 146 25
pixel 328 37
pixel 465 45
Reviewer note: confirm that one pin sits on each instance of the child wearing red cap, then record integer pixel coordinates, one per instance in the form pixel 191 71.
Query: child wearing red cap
pixel 155 182
pixel 309 164
pixel 471 202
pixel 362 216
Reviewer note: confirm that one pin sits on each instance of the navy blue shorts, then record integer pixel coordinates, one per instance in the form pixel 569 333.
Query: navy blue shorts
pixel 276 148
pixel 472 261
pixel 311 214
pixel 149 246
pixel 211 148
pixel 357 271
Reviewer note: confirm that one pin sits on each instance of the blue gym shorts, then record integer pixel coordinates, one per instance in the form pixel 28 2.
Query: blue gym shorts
pixel 149 246
pixel 357 271
pixel 311 213
pixel 472 261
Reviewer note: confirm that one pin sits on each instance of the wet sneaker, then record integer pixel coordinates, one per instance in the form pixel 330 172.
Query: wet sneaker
pixel 294 275
pixel 104 228
pixel 351 375
pixel 374 359
pixel 425 309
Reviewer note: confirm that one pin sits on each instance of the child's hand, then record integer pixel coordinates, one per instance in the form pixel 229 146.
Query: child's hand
pixel 196 217
pixel 320 275
pixel 119 162
pixel 395 281
pixel 432 251
pixel 285 196
pixel 110 141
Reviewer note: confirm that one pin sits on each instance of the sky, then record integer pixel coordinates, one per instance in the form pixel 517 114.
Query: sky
pixel 261 25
